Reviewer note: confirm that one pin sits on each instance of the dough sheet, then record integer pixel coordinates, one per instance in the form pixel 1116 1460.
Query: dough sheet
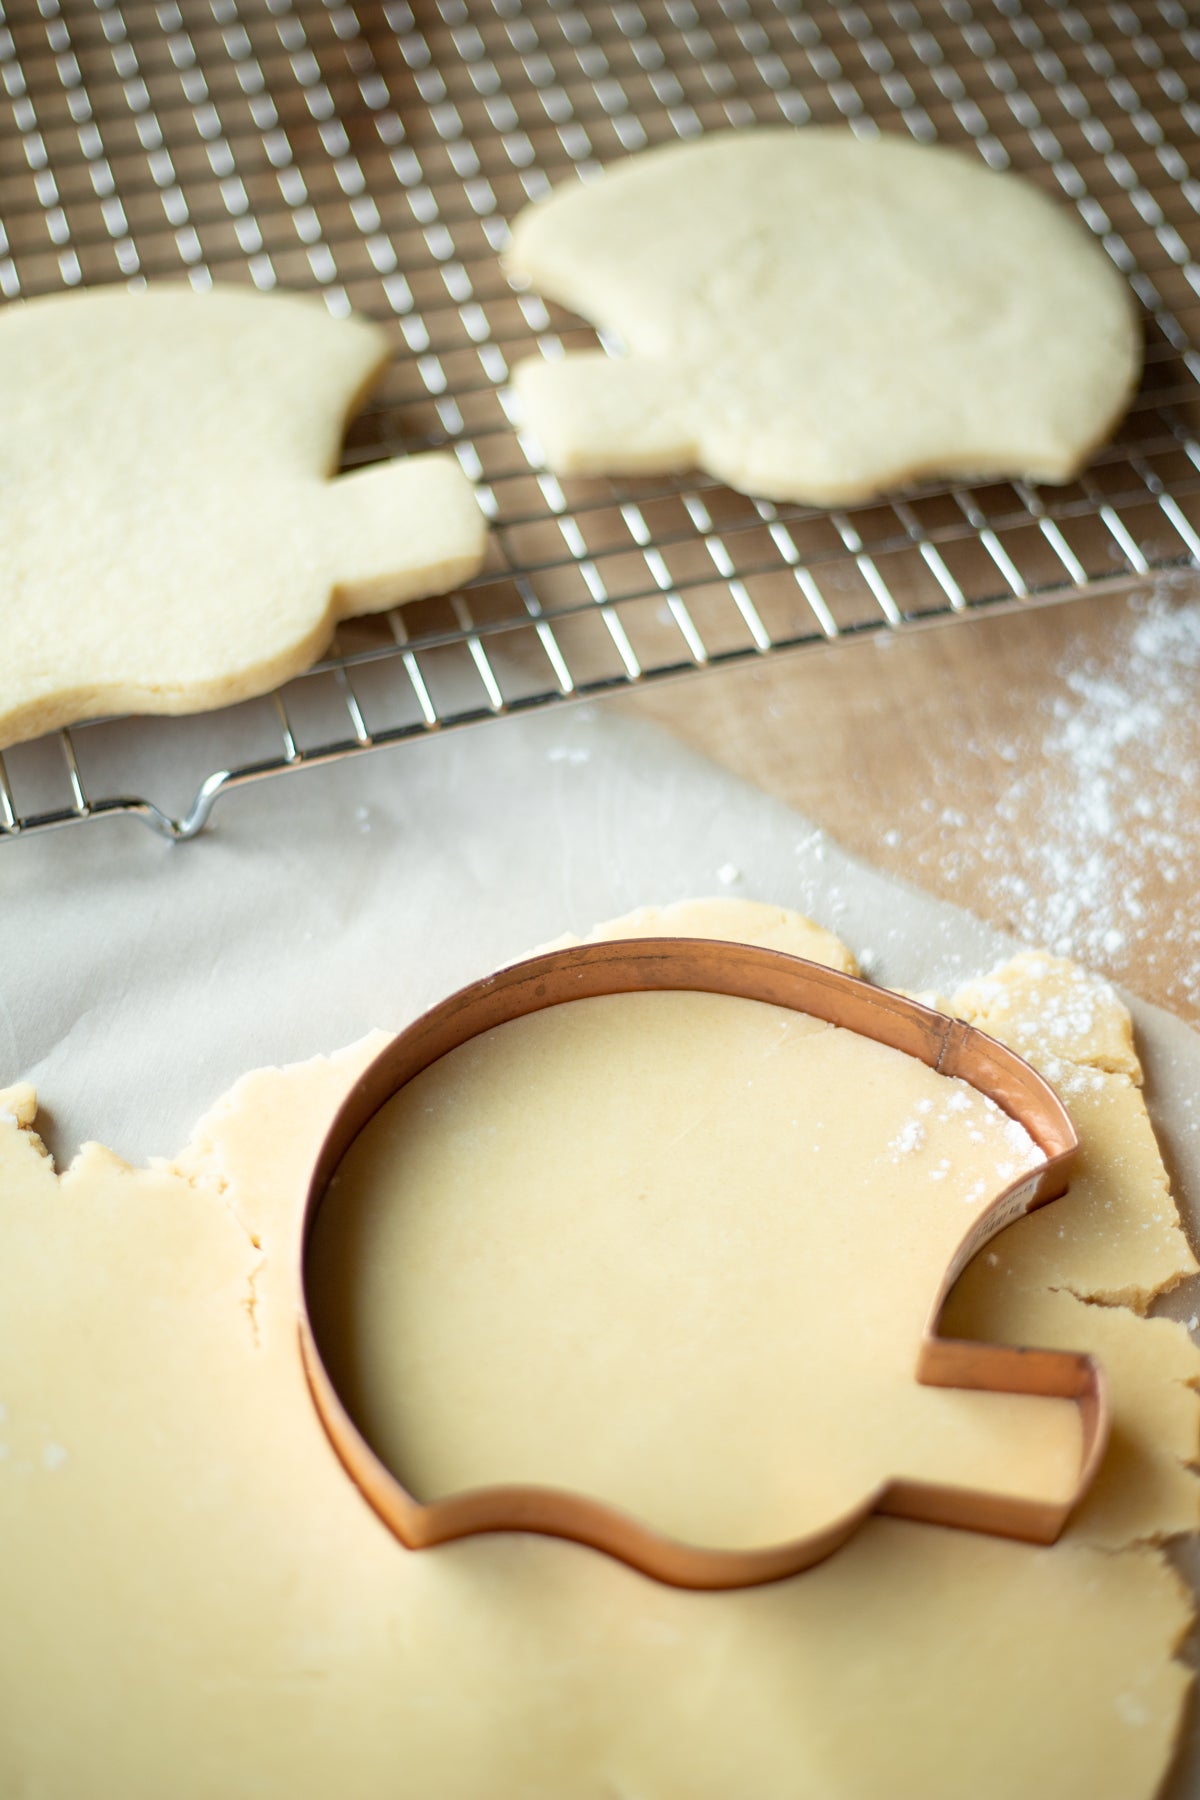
pixel 191 1581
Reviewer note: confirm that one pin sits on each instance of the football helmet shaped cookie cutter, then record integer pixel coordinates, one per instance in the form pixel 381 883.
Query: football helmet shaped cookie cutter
pixel 949 1046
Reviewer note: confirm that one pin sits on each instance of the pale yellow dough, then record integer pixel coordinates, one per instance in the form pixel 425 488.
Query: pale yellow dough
pixel 808 315
pixel 197 1604
pixel 749 1261
pixel 170 539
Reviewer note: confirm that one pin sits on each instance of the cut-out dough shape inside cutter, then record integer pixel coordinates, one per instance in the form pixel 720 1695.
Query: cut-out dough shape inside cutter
pixel 948 1046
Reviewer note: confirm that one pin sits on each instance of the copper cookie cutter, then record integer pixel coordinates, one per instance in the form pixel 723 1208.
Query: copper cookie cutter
pixel 949 1046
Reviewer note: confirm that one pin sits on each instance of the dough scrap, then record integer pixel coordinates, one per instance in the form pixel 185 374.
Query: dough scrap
pixel 1116 1239
pixel 170 539
pixel 1146 1489
pixel 1115 1236
pixel 812 316
pixel 1051 1009
pixel 745 921
pixel 190 1584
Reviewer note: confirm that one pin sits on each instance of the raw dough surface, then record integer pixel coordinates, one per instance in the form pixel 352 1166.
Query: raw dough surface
pixel 196 1602
pixel 750 1260
pixel 1116 1236
pixel 812 316
pixel 170 539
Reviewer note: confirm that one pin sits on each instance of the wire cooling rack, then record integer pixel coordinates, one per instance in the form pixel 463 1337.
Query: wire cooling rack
pixel 375 152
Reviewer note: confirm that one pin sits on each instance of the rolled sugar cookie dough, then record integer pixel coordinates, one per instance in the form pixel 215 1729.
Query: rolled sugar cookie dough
pixel 170 538
pixel 750 1259
pixel 807 315
pixel 195 1601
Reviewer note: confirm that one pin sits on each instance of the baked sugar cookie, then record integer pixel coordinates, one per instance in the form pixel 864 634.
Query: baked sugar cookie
pixel 170 539
pixel 811 316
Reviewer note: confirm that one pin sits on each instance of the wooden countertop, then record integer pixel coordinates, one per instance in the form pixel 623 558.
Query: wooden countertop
pixel 1040 768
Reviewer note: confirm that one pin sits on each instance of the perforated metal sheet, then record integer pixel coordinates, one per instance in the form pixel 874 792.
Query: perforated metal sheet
pixel 375 152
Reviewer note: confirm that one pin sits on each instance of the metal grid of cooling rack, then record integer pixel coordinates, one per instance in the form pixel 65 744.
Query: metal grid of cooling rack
pixel 374 153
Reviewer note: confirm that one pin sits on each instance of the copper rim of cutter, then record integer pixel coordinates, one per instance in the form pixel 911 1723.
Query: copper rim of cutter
pixel 747 972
